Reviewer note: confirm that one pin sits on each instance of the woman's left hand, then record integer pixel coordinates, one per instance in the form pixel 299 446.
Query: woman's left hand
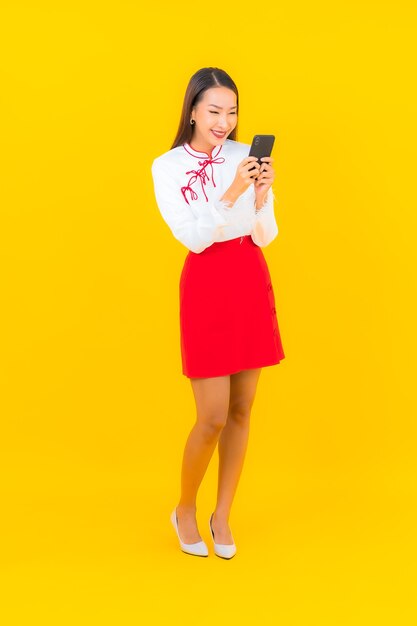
pixel 265 178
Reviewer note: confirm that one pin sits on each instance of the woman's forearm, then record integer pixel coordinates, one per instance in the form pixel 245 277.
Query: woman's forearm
pixel 229 196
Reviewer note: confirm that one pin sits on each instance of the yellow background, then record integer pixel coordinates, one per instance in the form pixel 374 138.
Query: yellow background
pixel 95 409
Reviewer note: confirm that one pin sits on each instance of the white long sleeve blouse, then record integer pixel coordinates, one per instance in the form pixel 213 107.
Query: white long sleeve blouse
pixel 188 186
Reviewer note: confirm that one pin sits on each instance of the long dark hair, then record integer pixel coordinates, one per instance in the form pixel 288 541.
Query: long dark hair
pixel 203 79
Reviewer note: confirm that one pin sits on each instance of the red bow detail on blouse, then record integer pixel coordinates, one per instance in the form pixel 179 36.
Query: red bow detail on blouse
pixel 202 175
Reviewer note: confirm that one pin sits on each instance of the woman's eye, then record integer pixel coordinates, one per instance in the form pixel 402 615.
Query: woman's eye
pixel 213 111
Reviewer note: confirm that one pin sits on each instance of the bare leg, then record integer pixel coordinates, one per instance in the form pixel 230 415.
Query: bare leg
pixel 232 447
pixel 212 401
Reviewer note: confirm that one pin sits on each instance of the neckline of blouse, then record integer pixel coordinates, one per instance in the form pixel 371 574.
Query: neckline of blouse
pixel 196 153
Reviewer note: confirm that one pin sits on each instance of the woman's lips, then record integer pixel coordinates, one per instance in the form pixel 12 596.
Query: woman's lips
pixel 218 135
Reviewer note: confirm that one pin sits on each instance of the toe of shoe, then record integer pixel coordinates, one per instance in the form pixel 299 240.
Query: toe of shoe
pixel 225 551
pixel 198 549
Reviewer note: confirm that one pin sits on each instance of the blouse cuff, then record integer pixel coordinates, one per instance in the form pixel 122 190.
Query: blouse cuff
pixel 221 212
pixel 218 214
pixel 267 204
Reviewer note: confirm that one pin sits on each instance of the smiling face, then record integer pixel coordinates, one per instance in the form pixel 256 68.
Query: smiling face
pixel 215 117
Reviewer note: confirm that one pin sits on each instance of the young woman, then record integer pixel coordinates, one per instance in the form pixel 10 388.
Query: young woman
pixel 219 204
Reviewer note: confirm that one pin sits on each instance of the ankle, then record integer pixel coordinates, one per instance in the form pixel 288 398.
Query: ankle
pixel 221 517
pixel 187 508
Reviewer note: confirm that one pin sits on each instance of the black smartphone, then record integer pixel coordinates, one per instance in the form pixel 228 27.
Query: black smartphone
pixel 261 147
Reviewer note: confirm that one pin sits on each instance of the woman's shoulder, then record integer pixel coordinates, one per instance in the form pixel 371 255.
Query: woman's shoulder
pixel 169 157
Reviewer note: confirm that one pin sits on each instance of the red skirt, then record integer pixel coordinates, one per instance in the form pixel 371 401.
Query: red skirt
pixel 228 320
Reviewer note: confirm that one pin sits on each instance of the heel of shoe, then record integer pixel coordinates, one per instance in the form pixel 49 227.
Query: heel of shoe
pixel 199 548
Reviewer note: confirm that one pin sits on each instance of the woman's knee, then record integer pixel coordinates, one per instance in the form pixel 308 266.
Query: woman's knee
pixel 212 425
pixel 212 397
pixel 239 412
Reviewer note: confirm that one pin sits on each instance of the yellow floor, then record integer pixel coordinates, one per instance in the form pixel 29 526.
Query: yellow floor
pixel 321 551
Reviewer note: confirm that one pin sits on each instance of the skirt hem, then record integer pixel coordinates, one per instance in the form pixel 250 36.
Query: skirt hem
pixel 236 371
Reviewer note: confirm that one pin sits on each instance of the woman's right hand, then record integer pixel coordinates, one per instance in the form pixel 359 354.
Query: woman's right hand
pixel 244 178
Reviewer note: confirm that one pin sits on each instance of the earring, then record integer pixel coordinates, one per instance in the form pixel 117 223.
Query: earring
pixel 192 121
